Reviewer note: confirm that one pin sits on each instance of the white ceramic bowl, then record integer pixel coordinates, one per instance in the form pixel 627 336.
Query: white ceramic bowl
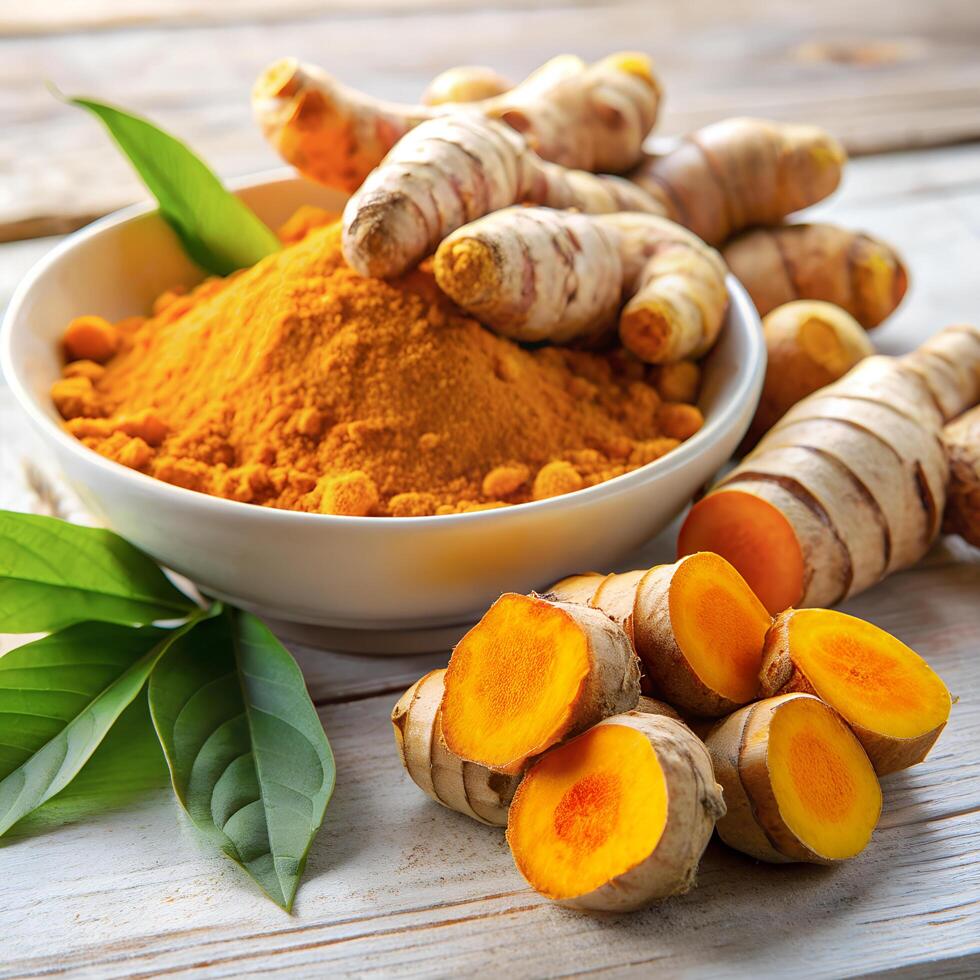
pixel 344 572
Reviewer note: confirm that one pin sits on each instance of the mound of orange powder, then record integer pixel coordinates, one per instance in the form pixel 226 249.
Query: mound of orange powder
pixel 298 384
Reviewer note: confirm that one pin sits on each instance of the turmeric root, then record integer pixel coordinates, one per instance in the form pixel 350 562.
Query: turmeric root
pixel 618 817
pixel 447 172
pixel 892 699
pixel 462 786
pixel 962 440
pixel 537 274
pixel 854 271
pixel 589 117
pixel 695 625
pixel 531 674
pixel 798 786
pixel 466 83
pixel 810 344
pixel 742 172
pixel 849 485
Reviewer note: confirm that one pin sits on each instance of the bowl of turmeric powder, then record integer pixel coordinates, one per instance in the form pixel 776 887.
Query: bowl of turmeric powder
pixel 347 452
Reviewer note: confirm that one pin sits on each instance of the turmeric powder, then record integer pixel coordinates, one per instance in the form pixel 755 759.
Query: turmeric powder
pixel 298 384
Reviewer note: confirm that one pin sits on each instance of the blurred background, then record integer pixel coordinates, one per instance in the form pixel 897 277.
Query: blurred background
pixel 897 80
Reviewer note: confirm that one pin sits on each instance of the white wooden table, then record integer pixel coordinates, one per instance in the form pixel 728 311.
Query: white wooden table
pixel 397 886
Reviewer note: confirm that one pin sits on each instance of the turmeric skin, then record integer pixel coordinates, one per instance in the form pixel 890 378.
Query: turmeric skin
pixel 298 384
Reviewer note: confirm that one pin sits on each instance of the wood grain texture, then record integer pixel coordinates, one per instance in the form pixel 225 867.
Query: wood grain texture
pixel 881 75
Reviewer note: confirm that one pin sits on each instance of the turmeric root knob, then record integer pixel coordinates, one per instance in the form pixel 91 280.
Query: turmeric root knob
pixel 891 698
pixel 798 786
pixel 465 83
pixel 462 786
pixel 531 674
pixel 962 441
pixel 618 817
pixel 810 345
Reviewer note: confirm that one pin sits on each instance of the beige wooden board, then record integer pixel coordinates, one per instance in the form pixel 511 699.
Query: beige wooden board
pixel 883 75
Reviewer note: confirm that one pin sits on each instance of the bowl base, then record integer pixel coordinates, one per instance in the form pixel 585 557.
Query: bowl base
pixel 380 642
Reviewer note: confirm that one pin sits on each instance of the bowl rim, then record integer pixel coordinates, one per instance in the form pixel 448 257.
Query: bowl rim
pixel 740 306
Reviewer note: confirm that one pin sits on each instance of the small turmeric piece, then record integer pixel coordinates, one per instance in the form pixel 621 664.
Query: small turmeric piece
pixel 618 817
pixel 531 674
pixel 961 437
pixel 810 345
pixel 465 83
pixel 894 702
pixel 466 787
pixel 862 275
pixel 797 784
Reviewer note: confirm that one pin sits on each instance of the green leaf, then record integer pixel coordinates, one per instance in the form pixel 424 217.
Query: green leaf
pixel 248 756
pixel 59 696
pixel 127 766
pixel 218 231
pixel 53 574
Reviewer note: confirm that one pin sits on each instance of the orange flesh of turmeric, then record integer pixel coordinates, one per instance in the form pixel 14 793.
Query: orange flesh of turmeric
pixel 278 380
pixel 873 679
pixel 588 812
pixel 719 625
pixel 513 682
pixel 754 537
pixel 824 784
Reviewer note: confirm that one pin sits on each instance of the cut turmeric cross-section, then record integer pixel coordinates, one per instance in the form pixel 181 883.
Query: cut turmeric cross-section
pixel 466 787
pixel 798 785
pixel 618 816
pixel 530 674
pixel 892 699
pixel 696 626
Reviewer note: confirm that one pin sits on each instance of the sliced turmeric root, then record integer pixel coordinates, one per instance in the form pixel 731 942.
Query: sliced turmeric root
pixel 850 483
pixel 892 699
pixel 465 787
pixel 618 817
pixel 531 674
pixel 696 626
pixel 798 785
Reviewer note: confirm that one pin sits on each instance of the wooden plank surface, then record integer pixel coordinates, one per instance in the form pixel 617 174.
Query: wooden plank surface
pixel 881 75
pixel 397 886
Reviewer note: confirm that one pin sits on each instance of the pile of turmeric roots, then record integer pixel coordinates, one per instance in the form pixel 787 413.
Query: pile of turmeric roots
pixel 773 731
pixel 544 218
